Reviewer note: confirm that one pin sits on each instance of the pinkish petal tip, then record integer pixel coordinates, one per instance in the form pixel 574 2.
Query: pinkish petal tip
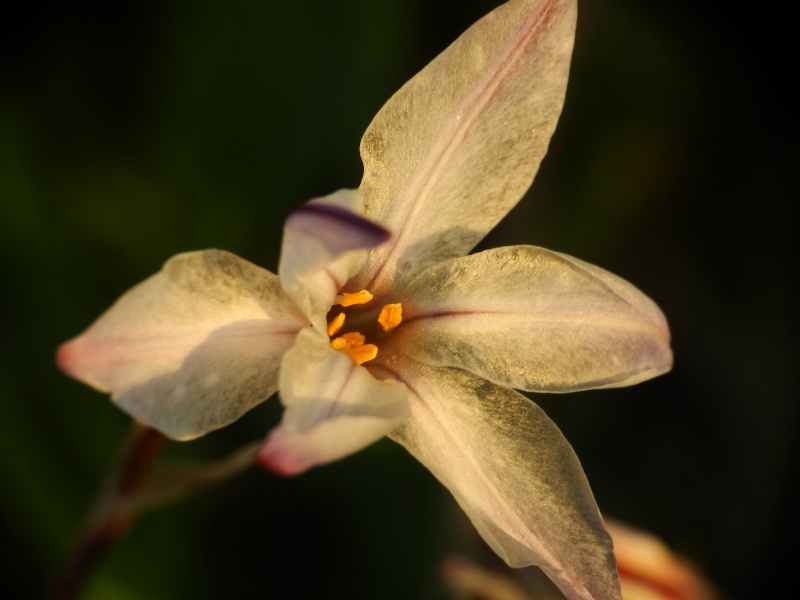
pixel 280 460
pixel 66 357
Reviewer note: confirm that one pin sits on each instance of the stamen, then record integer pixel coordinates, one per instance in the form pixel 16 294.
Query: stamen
pixel 348 341
pixel 346 299
pixel 363 353
pixel 391 316
pixel 353 342
pixel 335 326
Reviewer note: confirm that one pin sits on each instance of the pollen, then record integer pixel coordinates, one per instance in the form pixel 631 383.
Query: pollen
pixel 348 341
pixel 346 299
pixel 391 316
pixel 335 326
pixel 354 343
pixel 363 353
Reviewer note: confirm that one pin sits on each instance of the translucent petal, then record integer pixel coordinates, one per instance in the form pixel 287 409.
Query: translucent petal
pixel 193 347
pixel 333 407
pixel 316 241
pixel 512 472
pixel 533 319
pixel 459 144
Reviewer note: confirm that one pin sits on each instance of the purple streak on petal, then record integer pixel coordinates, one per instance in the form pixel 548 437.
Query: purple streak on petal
pixel 336 226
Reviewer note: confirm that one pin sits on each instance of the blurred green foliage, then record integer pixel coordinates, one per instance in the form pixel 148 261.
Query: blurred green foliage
pixel 129 135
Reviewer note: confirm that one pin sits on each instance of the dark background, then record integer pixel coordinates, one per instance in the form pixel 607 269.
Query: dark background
pixel 145 129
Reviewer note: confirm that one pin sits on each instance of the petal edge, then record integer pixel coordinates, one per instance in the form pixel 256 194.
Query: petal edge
pixel 193 347
pixel 536 320
pixel 513 473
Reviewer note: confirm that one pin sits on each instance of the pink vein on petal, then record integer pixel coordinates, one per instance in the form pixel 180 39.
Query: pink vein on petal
pixel 440 154
pixel 499 499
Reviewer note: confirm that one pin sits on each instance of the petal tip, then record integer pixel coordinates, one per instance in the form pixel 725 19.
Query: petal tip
pixel 279 459
pixel 78 359
pixel 67 357
pixel 666 356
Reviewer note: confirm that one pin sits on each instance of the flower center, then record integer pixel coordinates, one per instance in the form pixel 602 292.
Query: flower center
pixel 353 343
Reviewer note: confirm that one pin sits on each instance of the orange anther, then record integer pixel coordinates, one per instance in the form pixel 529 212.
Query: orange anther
pixel 391 316
pixel 363 353
pixel 335 326
pixel 348 341
pixel 361 297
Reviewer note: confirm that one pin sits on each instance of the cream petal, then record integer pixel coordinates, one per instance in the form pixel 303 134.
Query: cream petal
pixel 316 255
pixel 193 347
pixel 334 407
pixel 533 319
pixel 513 473
pixel 459 144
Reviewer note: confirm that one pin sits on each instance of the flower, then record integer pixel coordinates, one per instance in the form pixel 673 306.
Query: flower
pixel 648 570
pixel 379 323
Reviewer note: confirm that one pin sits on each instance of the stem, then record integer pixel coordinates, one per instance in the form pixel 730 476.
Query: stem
pixel 109 520
pixel 178 482
pixel 128 492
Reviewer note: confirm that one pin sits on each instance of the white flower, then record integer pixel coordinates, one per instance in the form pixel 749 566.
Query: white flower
pixel 433 341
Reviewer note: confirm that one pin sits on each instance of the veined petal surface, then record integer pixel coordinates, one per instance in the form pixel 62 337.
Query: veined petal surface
pixel 513 473
pixel 459 144
pixel 534 319
pixel 334 407
pixel 316 255
pixel 193 347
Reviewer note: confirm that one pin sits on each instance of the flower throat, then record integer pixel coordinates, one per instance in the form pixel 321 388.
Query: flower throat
pixel 353 343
